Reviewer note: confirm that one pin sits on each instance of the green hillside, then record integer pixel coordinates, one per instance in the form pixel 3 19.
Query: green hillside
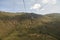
pixel 29 26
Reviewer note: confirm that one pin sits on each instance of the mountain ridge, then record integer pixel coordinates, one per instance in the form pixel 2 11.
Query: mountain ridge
pixel 28 26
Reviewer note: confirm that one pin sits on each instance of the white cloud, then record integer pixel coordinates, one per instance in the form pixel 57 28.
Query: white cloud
pixel 44 1
pixel 42 9
pixel 49 1
pixel 36 6
pixel 32 0
pixel 53 1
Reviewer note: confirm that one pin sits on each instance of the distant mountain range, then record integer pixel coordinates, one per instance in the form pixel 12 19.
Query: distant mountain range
pixel 29 26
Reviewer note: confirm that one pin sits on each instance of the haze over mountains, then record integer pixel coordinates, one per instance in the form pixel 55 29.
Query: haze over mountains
pixel 29 26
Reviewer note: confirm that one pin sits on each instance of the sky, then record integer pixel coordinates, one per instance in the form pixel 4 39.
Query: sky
pixel 35 6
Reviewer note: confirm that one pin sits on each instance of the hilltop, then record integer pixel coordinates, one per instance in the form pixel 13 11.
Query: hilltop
pixel 29 26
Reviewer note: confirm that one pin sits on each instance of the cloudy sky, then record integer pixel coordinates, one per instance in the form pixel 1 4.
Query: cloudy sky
pixel 36 6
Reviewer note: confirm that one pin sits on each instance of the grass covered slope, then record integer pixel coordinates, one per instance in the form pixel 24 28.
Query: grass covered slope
pixel 28 26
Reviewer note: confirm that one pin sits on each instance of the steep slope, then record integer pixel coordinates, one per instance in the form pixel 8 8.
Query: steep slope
pixel 27 26
pixel 54 26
